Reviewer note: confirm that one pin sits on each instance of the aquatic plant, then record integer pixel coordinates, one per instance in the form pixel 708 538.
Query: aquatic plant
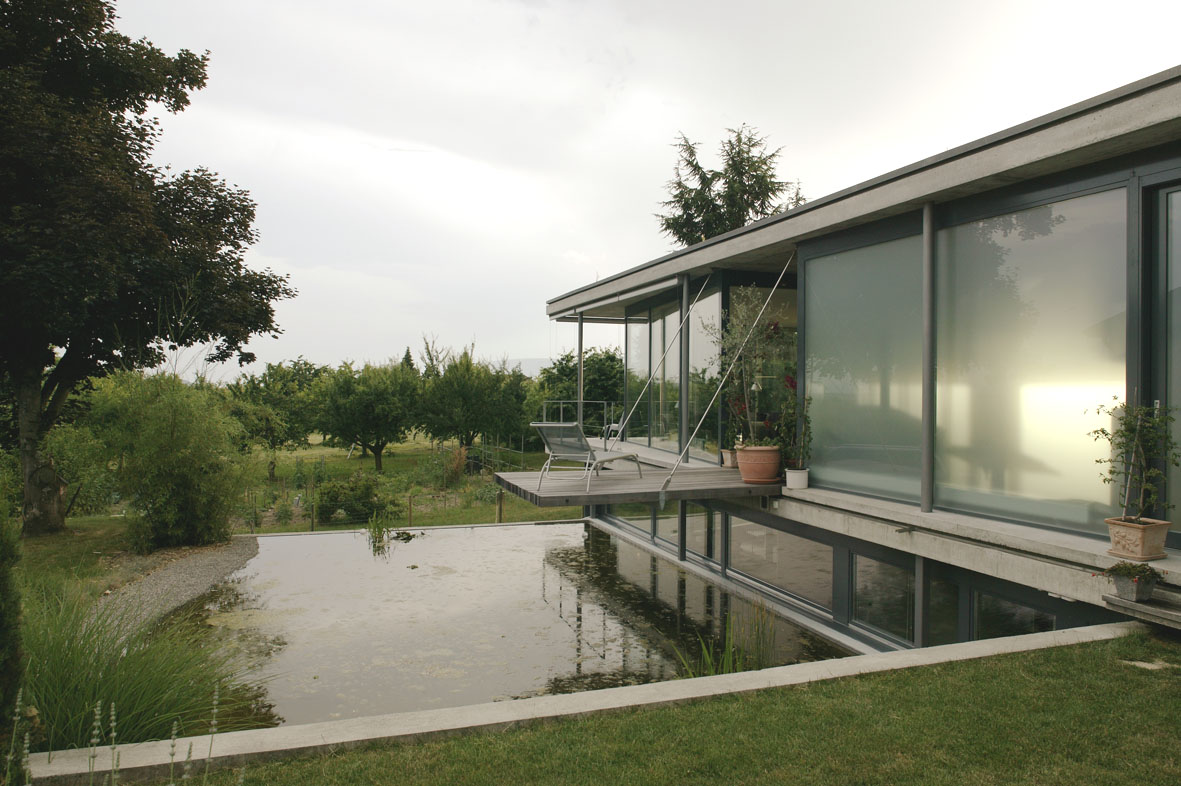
pixel 745 645
pixel 157 675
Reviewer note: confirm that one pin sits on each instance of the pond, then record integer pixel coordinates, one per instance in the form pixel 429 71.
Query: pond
pixel 468 615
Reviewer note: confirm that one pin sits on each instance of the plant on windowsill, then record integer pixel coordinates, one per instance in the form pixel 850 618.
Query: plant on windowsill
pixel 1134 581
pixel 762 352
pixel 795 436
pixel 1142 448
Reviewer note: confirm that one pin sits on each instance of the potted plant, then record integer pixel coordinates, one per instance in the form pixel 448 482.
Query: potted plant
pixel 795 437
pixel 1133 581
pixel 1142 448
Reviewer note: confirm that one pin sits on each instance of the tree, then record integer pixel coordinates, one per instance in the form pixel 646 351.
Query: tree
pixel 176 449
pixel 464 401
pixel 708 202
pixel 602 380
pixel 106 262
pixel 275 407
pixel 373 406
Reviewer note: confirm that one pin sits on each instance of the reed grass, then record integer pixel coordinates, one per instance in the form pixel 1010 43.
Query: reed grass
pixel 81 658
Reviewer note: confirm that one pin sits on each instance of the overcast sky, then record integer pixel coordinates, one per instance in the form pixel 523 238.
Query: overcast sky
pixel 444 168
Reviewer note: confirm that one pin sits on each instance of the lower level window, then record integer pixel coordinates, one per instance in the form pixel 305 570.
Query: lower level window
pixel 996 617
pixel 883 596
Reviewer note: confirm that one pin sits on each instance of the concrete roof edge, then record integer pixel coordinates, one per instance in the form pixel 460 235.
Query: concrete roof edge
pixel 1092 104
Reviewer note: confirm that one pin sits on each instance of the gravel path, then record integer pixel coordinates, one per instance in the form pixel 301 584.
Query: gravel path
pixel 172 585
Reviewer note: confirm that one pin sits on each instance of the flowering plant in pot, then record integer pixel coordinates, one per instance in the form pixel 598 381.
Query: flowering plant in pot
pixel 1133 580
pixel 1142 449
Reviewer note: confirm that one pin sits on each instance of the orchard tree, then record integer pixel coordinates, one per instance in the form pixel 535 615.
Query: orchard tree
pixel 373 406
pixel 602 380
pixel 707 202
pixel 106 262
pixel 276 407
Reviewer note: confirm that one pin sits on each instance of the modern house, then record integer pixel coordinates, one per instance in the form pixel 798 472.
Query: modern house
pixel 957 323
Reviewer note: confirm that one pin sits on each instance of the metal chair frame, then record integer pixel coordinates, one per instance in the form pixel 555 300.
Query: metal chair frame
pixel 567 442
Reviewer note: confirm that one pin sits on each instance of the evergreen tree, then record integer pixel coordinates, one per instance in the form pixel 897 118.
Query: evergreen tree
pixel 707 202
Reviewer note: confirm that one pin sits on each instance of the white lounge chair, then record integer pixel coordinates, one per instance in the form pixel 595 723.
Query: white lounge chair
pixel 566 442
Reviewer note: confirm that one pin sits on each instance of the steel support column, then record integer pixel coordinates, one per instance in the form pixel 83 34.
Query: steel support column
pixel 580 370
pixel 683 388
pixel 927 446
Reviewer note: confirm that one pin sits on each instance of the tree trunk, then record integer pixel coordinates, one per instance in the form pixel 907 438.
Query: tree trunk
pixel 271 470
pixel 44 493
pixel 377 451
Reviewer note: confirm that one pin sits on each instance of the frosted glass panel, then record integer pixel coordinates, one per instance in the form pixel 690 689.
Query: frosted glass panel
pixel 1030 311
pixel 637 376
pixel 863 338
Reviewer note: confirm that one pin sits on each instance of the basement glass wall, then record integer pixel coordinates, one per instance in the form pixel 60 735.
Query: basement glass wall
pixel 862 338
pixel 1031 319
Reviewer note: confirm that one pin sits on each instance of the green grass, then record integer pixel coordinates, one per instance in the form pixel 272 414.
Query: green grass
pixel 92 555
pixel 1069 715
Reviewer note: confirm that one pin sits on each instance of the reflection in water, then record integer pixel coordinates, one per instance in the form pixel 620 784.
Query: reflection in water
pixel 464 616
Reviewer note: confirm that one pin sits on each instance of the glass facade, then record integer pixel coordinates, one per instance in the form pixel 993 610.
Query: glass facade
pixel 996 617
pixel 703 528
pixel 1031 338
pixel 666 385
pixel 797 565
pixel 637 366
pixel 943 615
pixel 667 524
pixel 863 339
pixel 883 596
pixel 704 375
pixel 1171 229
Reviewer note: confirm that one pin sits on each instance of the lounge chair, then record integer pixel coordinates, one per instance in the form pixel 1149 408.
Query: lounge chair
pixel 566 442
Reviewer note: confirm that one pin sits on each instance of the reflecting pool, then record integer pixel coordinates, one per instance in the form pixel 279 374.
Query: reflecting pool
pixel 468 615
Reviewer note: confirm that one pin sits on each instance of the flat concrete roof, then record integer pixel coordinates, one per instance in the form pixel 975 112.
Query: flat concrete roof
pixel 1135 117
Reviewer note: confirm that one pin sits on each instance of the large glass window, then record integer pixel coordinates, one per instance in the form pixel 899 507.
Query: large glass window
pixel 704 374
pixel 668 524
pixel 702 531
pixel 637 377
pixel 800 566
pixel 996 617
pixel 883 596
pixel 666 386
pixel 863 339
pixel 1171 227
pixel 1031 321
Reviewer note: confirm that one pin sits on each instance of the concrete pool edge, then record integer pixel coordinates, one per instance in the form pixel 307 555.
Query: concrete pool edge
pixel 234 749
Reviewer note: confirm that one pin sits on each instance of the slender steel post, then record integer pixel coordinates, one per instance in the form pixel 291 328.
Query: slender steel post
pixel 683 398
pixel 580 370
pixel 927 447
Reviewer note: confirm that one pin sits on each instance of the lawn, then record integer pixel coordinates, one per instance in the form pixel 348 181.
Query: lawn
pixel 1082 714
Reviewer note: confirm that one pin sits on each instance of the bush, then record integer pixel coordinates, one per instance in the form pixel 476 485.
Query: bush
pixel 175 445
pixel 283 513
pixel 357 499
pixel 152 675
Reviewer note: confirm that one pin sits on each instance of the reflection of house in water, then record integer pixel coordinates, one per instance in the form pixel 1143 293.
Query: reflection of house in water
pixel 628 607
pixel 956 322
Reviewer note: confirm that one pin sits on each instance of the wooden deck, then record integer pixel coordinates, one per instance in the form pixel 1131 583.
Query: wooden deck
pixel 621 484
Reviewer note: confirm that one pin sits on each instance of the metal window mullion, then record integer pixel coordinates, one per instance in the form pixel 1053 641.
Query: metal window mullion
pixel 927 452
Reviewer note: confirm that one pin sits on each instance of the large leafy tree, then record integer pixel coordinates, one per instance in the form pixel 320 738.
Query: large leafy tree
pixel 602 380
pixel 468 398
pixel 106 261
pixel 705 202
pixel 372 406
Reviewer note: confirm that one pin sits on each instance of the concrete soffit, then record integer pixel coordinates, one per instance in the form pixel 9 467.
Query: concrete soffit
pixel 1137 117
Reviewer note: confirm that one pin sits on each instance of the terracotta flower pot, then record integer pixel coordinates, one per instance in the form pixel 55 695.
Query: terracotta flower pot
pixel 1137 541
pixel 759 464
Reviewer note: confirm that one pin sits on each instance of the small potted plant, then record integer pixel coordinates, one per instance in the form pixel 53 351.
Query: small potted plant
pixel 795 437
pixel 1133 580
pixel 1142 448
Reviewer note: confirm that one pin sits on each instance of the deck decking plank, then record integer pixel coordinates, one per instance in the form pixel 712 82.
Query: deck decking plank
pixel 620 485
